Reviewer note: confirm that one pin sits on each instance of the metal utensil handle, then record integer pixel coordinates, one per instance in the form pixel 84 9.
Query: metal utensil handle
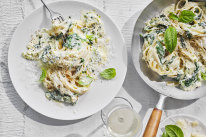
pixel 117 98
pixel 50 11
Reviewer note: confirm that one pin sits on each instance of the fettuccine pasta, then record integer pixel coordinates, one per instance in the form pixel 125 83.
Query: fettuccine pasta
pixel 71 54
pixel 186 65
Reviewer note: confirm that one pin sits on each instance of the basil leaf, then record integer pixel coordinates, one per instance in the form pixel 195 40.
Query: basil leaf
pixel 85 81
pixel 109 73
pixel 43 75
pixel 170 38
pixel 186 16
pixel 174 131
pixel 165 134
pixel 173 16
pixel 203 75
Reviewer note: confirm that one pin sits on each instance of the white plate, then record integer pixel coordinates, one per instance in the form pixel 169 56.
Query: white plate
pixel 172 119
pixel 25 74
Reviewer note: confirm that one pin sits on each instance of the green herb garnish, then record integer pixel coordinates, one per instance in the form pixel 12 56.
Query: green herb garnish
pixel 170 39
pixel 165 134
pixel 108 74
pixel 85 81
pixel 173 16
pixel 173 131
pixel 43 74
pixel 203 75
pixel 186 16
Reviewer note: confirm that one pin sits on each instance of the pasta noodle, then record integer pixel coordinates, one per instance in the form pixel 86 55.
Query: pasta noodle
pixel 187 63
pixel 72 53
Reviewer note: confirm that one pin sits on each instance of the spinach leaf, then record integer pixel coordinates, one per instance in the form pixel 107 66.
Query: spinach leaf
pixel 43 75
pixel 81 60
pixel 178 77
pixel 186 16
pixel 194 77
pixel 108 74
pixel 203 24
pixel 162 26
pixel 182 40
pixel 57 96
pixel 160 51
pixel 198 17
pixel 173 16
pixel 188 34
pixel 72 41
pixel 172 59
pixel 150 37
pixel 162 16
pixel 189 81
pixel 170 38
pixel 174 131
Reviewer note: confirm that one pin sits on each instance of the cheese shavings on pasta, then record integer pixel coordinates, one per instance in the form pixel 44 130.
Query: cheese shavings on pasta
pixel 72 53
pixel 186 65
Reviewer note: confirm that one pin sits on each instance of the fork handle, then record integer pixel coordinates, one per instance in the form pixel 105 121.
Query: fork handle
pixel 50 11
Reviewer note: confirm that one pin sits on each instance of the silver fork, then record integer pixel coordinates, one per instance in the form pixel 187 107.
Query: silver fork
pixel 54 15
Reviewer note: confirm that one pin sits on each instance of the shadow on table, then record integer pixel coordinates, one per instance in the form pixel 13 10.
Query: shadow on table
pixel 74 135
pixel 136 87
pixel 23 107
pixel 91 134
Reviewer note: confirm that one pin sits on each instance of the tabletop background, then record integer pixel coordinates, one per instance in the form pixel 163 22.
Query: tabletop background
pixel 18 120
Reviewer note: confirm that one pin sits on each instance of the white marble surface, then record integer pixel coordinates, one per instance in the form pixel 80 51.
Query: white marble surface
pixel 19 120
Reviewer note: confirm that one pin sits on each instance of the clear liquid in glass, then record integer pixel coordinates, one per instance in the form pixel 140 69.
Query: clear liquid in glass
pixel 123 122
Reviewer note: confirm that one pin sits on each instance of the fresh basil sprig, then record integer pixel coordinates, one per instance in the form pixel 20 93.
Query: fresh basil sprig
pixel 173 16
pixel 165 134
pixel 173 131
pixel 85 81
pixel 186 16
pixel 170 39
pixel 108 74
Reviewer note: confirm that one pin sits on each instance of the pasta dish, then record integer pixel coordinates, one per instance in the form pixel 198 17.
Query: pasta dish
pixel 71 54
pixel 175 44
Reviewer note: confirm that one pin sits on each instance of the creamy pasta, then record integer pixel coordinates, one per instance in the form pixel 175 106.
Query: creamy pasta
pixel 186 65
pixel 71 54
